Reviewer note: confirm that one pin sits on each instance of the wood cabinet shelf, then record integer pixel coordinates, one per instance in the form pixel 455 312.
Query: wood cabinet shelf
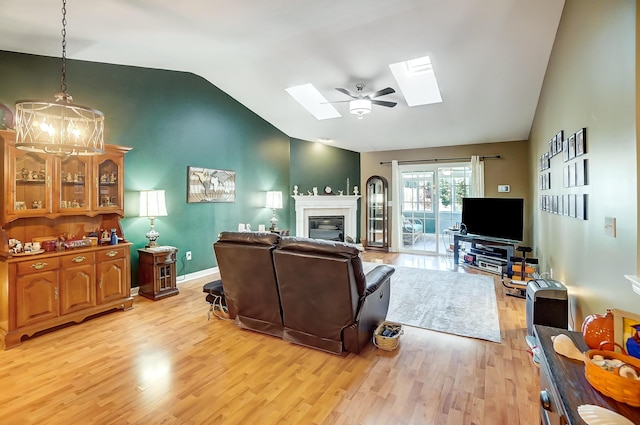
pixel 376 190
pixel 48 196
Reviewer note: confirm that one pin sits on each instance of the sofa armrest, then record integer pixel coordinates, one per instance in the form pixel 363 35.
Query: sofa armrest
pixel 377 277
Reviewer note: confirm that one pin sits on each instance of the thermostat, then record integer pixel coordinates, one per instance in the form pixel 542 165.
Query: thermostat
pixel 504 188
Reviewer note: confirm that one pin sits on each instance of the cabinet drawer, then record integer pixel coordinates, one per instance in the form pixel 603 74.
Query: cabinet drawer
pixel 78 259
pixel 39 265
pixel 110 254
pixel 165 258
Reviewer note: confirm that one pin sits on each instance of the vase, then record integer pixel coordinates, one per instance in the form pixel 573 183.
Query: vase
pixel 598 328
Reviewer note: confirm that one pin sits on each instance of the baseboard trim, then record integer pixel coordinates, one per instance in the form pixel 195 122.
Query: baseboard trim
pixel 187 278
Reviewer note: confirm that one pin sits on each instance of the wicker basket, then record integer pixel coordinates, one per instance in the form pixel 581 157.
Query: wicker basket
pixel 387 343
pixel 611 384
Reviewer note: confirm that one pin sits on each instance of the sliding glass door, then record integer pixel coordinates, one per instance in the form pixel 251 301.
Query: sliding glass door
pixel 431 202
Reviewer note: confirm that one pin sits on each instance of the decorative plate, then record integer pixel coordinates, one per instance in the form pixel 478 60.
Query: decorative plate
pixel 596 415
pixel 23 254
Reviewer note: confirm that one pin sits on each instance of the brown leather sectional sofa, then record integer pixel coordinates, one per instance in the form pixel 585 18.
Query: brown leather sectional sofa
pixel 306 291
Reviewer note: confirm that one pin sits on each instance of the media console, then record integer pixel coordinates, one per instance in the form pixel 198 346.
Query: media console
pixel 486 253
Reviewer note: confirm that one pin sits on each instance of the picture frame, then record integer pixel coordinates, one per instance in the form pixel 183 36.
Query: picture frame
pixel 210 185
pixel 565 150
pixel 581 142
pixel 560 140
pixel 572 205
pixel 572 174
pixel 572 146
pixel 622 326
pixel 581 173
pixel 581 206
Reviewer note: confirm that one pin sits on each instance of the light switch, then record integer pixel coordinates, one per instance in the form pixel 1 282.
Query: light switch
pixel 610 226
pixel 503 188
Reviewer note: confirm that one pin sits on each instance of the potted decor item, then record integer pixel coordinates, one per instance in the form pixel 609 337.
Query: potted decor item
pixel 598 328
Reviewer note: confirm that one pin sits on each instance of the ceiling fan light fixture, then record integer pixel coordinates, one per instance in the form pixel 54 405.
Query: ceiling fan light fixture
pixel 360 107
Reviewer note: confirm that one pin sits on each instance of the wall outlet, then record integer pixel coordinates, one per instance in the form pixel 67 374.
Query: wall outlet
pixel 188 255
pixel 504 188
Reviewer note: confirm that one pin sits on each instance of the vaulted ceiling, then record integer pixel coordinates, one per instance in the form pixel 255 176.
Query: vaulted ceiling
pixel 489 57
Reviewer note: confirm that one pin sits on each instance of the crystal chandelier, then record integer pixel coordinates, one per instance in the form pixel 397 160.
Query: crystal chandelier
pixel 59 127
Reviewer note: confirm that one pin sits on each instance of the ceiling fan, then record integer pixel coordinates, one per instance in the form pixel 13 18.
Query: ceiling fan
pixel 361 105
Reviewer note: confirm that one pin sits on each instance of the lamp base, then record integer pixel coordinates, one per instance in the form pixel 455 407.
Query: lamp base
pixel 152 234
pixel 274 222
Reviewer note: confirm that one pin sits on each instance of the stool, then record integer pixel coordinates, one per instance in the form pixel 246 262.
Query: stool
pixel 215 297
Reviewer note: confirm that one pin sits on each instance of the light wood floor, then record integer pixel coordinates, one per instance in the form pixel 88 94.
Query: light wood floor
pixel 164 363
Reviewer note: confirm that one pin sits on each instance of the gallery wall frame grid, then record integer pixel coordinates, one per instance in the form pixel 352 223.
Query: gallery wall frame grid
pixel 574 173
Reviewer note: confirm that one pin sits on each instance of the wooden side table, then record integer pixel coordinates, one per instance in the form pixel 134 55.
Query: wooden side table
pixel 157 273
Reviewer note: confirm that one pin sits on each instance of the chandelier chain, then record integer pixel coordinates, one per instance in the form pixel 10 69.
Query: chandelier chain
pixel 63 84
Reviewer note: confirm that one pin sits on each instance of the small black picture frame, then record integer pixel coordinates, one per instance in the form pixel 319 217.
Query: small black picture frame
pixel 581 142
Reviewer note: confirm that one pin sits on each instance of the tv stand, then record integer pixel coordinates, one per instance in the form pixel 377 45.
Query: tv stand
pixel 489 254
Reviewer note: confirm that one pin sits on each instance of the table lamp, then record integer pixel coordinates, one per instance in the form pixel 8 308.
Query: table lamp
pixel 152 205
pixel 274 201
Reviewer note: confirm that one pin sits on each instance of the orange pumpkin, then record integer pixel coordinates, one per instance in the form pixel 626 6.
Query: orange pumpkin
pixel 598 328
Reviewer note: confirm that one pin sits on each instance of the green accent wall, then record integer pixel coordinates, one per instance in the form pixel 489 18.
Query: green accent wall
pixel 174 120
pixel 318 165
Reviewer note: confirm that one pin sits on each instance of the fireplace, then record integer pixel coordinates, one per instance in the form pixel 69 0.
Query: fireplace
pixel 329 228
pixel 332 206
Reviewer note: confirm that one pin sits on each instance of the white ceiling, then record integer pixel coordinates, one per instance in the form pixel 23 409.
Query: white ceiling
pixel 489 57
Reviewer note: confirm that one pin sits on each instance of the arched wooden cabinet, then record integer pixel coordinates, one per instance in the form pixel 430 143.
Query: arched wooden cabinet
pixel 377 218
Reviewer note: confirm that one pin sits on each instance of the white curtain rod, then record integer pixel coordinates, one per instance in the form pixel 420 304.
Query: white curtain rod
pixel 414 161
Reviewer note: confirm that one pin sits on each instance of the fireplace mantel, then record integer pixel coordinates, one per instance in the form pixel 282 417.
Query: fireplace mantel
pixel 327 205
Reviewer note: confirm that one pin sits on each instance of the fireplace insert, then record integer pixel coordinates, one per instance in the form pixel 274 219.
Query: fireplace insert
pixel 329 228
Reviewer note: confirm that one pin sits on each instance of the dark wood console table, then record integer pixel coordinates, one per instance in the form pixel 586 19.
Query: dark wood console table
pixel 564 387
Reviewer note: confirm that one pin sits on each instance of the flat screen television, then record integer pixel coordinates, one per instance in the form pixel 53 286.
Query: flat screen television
pixel 501 218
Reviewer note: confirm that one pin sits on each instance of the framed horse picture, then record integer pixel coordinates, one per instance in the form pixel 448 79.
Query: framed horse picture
pixel 210 185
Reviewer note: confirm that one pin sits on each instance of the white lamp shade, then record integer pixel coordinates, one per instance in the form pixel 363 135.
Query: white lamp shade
pixel 274 199
pixel 152 203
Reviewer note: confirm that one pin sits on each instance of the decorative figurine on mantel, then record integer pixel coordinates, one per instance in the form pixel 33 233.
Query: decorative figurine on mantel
pixel 295 190
pixel 355 190
pixel 340 192
pixel 315 191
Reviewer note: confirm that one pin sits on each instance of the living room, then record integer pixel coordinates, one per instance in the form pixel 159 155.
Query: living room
pixel 174 120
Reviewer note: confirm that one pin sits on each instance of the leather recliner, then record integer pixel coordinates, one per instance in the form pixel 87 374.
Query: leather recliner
pixel 245 262
pixel 327 301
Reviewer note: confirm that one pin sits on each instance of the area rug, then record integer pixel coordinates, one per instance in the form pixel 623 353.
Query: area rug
pixel 455 303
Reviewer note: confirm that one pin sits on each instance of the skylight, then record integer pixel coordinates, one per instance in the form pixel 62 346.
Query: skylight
pixel 314 102
pixel 417 81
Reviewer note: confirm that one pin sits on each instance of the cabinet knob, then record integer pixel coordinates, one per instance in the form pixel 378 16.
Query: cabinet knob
pixel 79 259
pixel 39 265
pixel 111 253
pixel 545 400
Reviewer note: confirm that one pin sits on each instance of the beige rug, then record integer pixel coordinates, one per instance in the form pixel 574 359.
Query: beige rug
pixel 455 303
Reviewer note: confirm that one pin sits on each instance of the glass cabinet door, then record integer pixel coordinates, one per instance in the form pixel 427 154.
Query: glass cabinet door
pixel 377 213
pixel 74 184
pixel 31 194
pixel 109 175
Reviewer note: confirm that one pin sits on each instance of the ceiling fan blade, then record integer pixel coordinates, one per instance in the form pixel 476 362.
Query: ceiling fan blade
pixel 382 92
pixel 347 92
pixel 384 103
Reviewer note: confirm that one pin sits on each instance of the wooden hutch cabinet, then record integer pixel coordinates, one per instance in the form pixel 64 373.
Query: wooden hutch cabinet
pixel 45 197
